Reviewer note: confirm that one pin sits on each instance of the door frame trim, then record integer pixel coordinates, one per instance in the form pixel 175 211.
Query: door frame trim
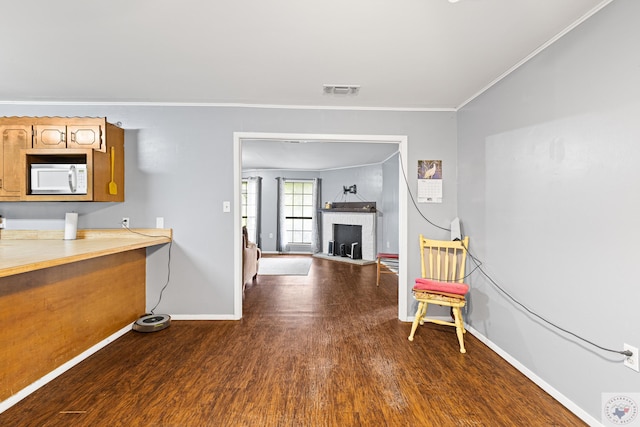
pixel 401 140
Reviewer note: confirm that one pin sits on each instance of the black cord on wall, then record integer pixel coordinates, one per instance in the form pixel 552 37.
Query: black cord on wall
pixel 479 264
pixel 168 264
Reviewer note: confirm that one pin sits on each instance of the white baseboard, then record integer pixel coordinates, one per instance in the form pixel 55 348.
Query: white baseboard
pixel 287 253
pixel 9 402
pixel 204 317
pixel 561 398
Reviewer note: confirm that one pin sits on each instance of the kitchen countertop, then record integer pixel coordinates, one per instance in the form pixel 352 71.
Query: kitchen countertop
pixel 22 251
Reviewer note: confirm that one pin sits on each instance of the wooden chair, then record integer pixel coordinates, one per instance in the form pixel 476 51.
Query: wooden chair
pixel 443 266
pixel 379 258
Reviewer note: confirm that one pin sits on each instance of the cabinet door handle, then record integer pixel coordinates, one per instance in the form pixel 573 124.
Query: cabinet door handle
pixel 73 137
pixel 64 137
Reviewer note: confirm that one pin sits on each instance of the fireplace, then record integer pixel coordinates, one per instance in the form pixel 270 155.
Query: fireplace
pixel 347 241
pixel 366 222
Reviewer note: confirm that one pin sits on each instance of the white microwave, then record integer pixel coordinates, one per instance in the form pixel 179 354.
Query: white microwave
pixel 53 178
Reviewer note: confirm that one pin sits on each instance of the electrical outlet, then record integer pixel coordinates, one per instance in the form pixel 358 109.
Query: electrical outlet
pixel 632 361
pixel 159 222
pixel 125 222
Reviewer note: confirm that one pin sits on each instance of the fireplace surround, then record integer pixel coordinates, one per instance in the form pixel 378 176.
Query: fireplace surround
pixel 367 222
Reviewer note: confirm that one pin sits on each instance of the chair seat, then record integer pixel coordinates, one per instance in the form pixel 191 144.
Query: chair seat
pixel 441 287
pixel 388 255
pixel 441 298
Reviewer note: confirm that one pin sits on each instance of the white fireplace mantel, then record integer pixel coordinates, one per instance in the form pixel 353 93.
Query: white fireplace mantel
pixel 365 219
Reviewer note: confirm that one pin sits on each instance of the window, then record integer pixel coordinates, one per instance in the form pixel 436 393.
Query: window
pixel 245 185
pixel 297 215
pixel 298 211
pixel 250 196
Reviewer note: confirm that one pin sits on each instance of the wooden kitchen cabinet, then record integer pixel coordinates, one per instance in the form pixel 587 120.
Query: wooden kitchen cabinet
pixel 15 137
pixel 68 136
pixel 29 140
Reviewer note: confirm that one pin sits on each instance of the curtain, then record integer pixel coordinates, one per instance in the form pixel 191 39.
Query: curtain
pixel 316 244
pixel 281 230
pixel 254 208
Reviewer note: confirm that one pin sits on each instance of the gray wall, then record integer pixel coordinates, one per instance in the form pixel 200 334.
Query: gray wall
pixel 368 180
pixel 388 218
pixel 548 193
pixel 179 165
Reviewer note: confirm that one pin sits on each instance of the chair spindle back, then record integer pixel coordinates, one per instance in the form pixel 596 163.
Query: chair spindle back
pixel 443 260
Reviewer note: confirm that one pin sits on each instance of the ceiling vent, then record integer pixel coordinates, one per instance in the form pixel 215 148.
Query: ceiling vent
pixel 341 89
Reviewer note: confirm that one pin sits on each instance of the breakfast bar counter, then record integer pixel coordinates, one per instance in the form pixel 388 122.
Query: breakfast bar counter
pixel 60 298
pixel 22 251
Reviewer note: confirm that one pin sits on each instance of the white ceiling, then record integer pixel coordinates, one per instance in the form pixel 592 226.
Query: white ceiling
pixel 312 155
pixel 405 54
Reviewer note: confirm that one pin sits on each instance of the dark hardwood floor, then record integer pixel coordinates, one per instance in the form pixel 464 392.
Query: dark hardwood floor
pixel 322 350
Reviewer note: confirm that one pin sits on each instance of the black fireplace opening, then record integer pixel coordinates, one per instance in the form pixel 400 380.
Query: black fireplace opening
pixel 347 241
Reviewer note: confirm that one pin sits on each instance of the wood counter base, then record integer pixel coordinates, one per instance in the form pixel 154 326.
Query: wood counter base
pixel 51 315
pixel 61 298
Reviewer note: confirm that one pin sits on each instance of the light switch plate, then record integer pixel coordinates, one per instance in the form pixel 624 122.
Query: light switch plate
pixel 226 206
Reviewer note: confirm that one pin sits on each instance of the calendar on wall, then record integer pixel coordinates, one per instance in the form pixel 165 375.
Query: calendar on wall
pixel 429 181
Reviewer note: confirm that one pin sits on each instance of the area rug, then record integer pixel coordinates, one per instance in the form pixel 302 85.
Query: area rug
pixel 284 266
pixel 391 264
pixel 344 259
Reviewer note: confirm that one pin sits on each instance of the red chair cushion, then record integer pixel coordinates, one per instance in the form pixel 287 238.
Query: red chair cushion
pixel 385 255
pixel 437 286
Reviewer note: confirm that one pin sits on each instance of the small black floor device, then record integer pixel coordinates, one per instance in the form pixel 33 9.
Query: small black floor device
pixel 152 323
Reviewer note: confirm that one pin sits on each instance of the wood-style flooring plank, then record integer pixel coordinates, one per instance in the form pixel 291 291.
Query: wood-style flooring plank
pixel 325 349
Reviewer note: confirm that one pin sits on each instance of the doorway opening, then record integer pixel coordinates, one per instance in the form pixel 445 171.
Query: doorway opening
pixel 400 141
